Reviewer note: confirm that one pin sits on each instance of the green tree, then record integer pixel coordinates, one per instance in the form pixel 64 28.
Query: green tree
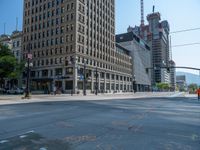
pixel 5 51
pixel 192 88
pixel 163 86
pixel 9 66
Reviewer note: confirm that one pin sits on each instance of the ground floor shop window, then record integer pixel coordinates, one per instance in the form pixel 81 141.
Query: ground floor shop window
pixel 124 87
pixel 102 87
pixel 69 85
pixel 117 86
pixel 58 84
pixel 121 86
pixel 80 85
pixel 88 85
pixel 107 86
pixel 44 86
pixel 113 86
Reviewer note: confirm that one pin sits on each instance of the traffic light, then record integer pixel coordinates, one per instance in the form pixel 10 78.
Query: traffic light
pixel 72 59
pixel 168 69
pixel 66 62
pixel 147 70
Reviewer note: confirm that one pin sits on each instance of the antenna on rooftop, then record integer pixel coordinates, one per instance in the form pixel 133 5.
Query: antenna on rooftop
pixel 153 8
pixel 4 28
pixel 17 24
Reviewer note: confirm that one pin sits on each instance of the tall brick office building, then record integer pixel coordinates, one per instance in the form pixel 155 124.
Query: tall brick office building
pixel 71 41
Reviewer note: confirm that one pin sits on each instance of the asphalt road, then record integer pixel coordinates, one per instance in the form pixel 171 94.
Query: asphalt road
pixel 138 124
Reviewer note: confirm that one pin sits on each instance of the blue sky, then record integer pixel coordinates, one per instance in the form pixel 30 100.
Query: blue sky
pixel 181 14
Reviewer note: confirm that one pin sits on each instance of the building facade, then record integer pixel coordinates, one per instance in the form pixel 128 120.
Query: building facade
pixel 173 75
pixel 156 34
pixel 16 38
pixel 72 42
pixel 141 57
pixel 6 40
pixel 14 43
pixel 181 82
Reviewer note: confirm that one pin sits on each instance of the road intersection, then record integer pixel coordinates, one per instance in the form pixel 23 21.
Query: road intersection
pixel 159 122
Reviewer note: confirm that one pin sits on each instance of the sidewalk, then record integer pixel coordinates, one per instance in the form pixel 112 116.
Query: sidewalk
pixel 17 99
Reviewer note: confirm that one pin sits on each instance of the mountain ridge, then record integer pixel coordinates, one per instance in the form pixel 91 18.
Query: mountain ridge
pixel 190 77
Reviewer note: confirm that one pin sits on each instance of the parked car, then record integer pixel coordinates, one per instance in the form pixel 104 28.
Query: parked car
pixel 2 91
pixel 15 91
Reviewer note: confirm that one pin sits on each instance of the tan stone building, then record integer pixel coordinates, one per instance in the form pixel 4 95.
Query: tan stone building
pixel 71 41
pixel 17 44
pixel 6 40
pixel 14 42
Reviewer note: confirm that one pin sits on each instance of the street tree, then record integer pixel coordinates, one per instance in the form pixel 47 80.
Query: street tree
pixel 163 86
pixel 10 68
pixel 192 88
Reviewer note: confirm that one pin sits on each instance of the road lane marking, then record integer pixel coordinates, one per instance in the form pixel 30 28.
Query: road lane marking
pixel 4 141
pixel 193 137
pixel 43 148
pixel 176 95
pixel 32 131
pixel 23 136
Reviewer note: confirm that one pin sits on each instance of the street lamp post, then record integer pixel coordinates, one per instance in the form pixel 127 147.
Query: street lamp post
pixel 84 79
pixel 134 84
pixel 28 65
pixel 27 95
pixel 96 86
pixel 72 60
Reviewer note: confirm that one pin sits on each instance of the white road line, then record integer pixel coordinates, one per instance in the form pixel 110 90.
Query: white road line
pixel 43 148
pixel 176 95
pixel 23 136
pixel 32 131
pixel 3 141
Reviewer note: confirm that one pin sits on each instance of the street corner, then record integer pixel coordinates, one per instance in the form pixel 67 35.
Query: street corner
pixel 33 141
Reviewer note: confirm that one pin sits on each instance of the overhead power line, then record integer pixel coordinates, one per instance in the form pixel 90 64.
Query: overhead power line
pixel 187 30
pixel 189 44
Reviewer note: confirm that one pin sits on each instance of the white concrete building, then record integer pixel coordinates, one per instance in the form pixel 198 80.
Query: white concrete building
pixel 141 57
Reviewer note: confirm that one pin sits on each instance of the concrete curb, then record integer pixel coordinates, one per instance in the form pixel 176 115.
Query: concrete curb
pixel 6 100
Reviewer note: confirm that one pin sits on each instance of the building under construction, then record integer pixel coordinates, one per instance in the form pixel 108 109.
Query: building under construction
pixel 156 34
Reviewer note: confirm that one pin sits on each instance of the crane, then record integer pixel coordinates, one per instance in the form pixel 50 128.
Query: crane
pixel 142 12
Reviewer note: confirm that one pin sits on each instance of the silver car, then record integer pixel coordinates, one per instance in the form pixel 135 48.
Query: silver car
pixel 15 91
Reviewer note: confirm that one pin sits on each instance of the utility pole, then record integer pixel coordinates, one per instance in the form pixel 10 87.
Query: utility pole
pixel 27 79
pixel 84 79
pixel 17 24
pixel 4 28
pixel 29 57
pixel 96 86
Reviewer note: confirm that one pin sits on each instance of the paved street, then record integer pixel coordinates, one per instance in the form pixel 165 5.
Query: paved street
pixel 120 124
pixel 17 99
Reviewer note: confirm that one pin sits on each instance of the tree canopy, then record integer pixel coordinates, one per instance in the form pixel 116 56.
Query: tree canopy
pixel 163 86
pixel 192 88
pixel 9 66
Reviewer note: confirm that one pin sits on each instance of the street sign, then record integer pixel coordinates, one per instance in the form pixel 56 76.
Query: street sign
pixel 81 77
pixel 29 56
